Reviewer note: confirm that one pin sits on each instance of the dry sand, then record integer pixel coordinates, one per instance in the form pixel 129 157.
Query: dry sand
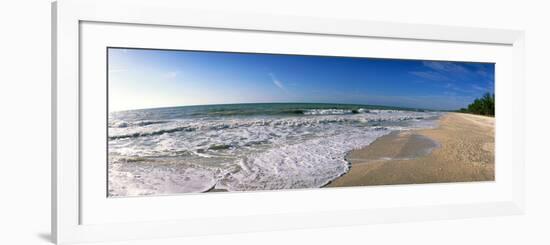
pixel 460 149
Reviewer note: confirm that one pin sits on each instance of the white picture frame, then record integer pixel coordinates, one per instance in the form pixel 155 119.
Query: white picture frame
pixel 69 198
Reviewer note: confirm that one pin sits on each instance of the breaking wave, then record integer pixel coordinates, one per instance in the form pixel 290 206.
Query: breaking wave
pixel 151 153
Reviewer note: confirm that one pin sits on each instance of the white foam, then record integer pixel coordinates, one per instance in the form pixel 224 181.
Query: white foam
pixel 313 163
pixel 247 153
pixel 138 180
pixel 327 112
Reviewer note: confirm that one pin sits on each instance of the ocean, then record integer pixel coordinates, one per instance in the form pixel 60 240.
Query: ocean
pixel 243 147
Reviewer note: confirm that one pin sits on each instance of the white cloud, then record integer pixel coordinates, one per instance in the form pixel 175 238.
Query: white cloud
pixel 450 72
pixel 441 71
pixel 172 74
pixel 430 75
pixel 277 82
pixel 479 88
pixel 445 66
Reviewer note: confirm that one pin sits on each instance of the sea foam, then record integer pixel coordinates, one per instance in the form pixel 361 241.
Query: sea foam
pixel 182 155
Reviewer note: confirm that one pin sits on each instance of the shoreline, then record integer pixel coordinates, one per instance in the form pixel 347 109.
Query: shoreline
pixel 460 149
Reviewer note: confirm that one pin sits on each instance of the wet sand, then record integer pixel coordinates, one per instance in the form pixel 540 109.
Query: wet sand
pixel 460 149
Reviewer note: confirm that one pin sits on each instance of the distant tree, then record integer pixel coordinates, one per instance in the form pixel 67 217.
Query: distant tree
pixel 482 106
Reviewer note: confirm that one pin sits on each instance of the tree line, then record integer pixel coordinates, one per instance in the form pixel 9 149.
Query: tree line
pixel 482 106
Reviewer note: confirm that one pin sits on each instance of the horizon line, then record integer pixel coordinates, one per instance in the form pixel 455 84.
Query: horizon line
pixel 244 103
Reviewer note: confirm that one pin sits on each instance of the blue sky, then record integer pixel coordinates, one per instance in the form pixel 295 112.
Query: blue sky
pixel 142 78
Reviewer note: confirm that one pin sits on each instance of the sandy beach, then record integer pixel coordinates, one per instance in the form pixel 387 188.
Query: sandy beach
pixel 460 149
pixel 268 121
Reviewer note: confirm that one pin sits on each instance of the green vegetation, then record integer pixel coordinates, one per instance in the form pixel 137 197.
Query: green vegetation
pixel 482 106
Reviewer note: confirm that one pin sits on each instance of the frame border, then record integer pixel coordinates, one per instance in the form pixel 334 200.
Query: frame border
pixel 66 17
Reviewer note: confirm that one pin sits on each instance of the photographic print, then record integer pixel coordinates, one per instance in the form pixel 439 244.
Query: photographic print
pixel 206 121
